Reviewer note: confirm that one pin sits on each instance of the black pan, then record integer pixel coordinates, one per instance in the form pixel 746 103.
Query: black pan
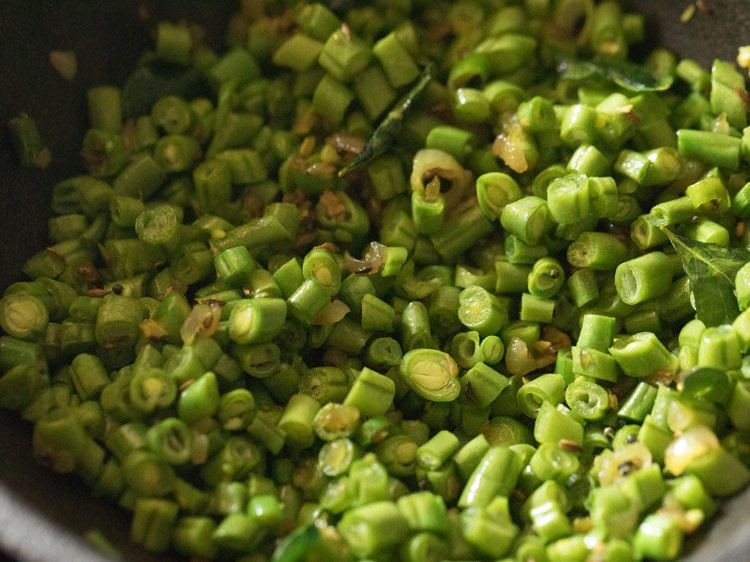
pixel 43 515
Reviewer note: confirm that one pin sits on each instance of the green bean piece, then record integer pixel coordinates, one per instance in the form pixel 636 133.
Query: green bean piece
pixel 308 301
pixel 117 321
pixel 148 474
pixel 377 315
pixel 336 421
pixel 371 393
pixel 200 399
pixel 321 265
pixel 643 278
pixel 383 353
pixel 597 332
pixel 428 211
pixel 23 316
pixel 233 461
pixel 594 364
pixel 415 326
pixel 482 385
pixel 176 153
pixel 192 536
pixel 527 218
pixel 492 349
pixel 299 52
pixel 257 320
pixel 535 309
pixel 336 456
pixel 510 277
pixel 550 522
pixel 461 232
pixel 348 336
pixel 712 148
pixel 431 373
pixel 465 348
pixel 545 388
pixel 19 386
pixel 495 191
pixel 315 299
pixel 152 388
pixel 297 420
pixel 237 532
pixel 639 402
pixel 27 141
pixel 596 250
pixel 553 463
pixel 552 425
pixel 642 354
pixel 727 85
pixel 172 440
pixel 424 511
pixel 588 399
pixel 719 348
pixel 658 536
pixel 61 439
pixel 103 153
pixel 489 531
pixel 237 409
pixel 260 360
pixel 496 474
pixel 372 527
pixel 482 311
pixel 153 523
pixel 435 452
pixel 691 494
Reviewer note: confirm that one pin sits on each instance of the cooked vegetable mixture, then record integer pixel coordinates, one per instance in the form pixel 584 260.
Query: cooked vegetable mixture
pixel 403 280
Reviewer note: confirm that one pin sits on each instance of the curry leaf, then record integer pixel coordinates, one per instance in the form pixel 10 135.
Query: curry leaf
pixel 387 133
pixel 707 383
pixel 628 75
pixel 299 545
pixel 711 269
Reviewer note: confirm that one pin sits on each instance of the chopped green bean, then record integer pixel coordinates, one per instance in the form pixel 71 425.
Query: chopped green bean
pixel 542 352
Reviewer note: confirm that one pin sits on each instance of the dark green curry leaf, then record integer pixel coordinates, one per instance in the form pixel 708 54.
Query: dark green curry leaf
pixel 628 75
pixel 298 545
pixel 707 383
pixel 711 269
pixel 387 133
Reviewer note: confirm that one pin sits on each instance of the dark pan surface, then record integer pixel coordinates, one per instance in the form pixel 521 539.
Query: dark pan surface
pixel 42 514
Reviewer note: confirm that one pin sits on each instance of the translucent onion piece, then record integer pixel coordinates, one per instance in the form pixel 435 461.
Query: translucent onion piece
pixel 345 143
pixel 152 329
pixel 518 360
pixel 613 467
pixel 54 458
pixel 558 338
pixel 203 320
pixel 430 163
pixel 321 169
pixel 334 206
pixel 521 360
pixel 743 57
pixel 64 63
pixel 42 159
pixel 507 147
pixel 372 260
pixel 332 313
pixel 692 444
pixel 200 448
